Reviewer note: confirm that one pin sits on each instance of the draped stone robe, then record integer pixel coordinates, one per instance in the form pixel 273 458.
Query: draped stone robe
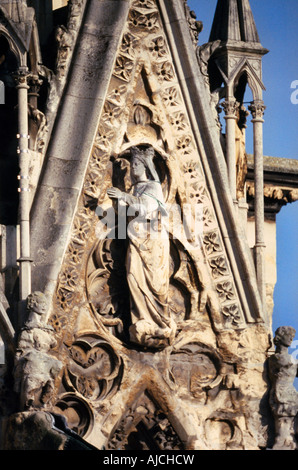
pixel 147 266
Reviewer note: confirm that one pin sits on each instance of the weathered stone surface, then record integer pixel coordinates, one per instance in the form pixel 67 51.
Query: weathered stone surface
pixel 76 122
pixel 204 351
pixel 32 431
pixel 283 370
pixel 155 336
pixel 35 369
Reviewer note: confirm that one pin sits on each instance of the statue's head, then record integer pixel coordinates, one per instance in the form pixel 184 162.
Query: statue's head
pixel 138 165
pixel 284 335
pixel 145 159
pixel 37 303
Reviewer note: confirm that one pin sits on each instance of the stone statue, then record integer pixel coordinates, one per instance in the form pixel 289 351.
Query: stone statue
pixel 283 395
pixel 147 260
pixel 35 370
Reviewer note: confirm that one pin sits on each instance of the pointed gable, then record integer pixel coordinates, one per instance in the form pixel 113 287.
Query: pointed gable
pixel 20 21
pixel 148 79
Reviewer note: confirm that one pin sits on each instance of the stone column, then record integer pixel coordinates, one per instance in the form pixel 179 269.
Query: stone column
pixel 230 107
pixel 24 189
pixel 257 109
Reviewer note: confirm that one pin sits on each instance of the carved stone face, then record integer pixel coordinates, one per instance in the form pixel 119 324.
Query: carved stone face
pixel 284 335
pixel 138 170
pixel 37 302
pixel 41 306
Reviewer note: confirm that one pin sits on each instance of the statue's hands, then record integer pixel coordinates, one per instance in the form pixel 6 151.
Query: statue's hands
pixel 114 193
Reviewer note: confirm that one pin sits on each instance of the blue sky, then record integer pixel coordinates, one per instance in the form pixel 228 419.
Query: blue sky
pixel 276 21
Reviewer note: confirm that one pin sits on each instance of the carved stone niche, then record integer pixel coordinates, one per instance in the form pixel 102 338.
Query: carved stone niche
pixel 106 274
pixel 145 427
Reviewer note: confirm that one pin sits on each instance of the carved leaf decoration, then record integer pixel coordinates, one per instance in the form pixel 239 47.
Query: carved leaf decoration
pixel 123 68
pixel 218 266
pixel 89 387
pixel 157 47
pixel 145 427
pixel 232 314
pixel 225 290
pixel 129 44
pixel 212 243
pixel 116 96
pixel 147 21
pixel 96 360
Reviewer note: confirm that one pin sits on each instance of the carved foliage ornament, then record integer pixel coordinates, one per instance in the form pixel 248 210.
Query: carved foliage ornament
pixel 257 109
pixel 142 19
pixel 230 107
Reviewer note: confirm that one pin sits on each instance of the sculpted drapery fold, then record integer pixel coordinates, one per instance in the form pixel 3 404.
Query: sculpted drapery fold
pixel 147 259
